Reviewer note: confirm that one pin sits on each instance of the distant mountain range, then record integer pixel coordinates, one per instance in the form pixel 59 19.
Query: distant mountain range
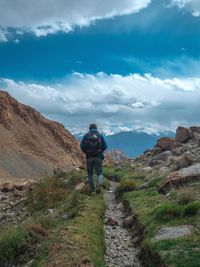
pixel 132 143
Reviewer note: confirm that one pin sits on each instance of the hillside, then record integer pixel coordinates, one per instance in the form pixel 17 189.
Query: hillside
pixel 30 144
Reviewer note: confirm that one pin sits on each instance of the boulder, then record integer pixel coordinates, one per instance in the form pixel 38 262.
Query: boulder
pixel 24 186
pixel 165 143
pixel 189 157
pixel 178 151
pixel 173 232
pixel 7 187
pixel 183 134
pixel 180 178
pixel 160 158
pixel 154 163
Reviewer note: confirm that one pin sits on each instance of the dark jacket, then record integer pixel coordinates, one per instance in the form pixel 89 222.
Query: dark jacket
pixel 104 145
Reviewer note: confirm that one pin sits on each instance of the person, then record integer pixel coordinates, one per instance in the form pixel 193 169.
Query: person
pixel 93 145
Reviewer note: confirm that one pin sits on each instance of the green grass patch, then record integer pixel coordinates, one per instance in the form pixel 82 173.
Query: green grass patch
pixel 125 185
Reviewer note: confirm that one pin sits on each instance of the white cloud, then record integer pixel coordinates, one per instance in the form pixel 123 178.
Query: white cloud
pixel 44 17
pixel 3 35
pixel 192 5
pixel 132 101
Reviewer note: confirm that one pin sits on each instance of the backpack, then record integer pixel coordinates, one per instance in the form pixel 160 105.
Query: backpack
pixel 93 143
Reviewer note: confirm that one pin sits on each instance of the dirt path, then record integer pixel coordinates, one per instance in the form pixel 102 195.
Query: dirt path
pixel 120 250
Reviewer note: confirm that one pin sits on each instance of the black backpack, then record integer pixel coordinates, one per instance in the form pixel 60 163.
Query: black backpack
pixel 93 143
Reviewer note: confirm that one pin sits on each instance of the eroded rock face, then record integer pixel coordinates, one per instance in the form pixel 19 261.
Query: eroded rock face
pixel 183 134
pixel 179 178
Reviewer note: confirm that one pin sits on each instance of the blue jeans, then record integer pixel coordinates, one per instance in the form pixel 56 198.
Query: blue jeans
pixel 94 163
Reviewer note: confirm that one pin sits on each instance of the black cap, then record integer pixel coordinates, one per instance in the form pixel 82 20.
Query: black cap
pixel 92 126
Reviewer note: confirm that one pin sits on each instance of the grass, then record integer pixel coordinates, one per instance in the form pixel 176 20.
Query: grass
pixel 75 239
pixel 156 211
pixel 125 185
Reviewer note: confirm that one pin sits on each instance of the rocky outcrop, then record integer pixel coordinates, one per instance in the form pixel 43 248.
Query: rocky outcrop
pixel 30 144
pixel 179 178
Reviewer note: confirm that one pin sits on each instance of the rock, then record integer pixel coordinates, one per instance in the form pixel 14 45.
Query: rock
pixel 177 163
pixel 129 221
pixel 180 178
pixel 154 163
pixel 80 187
pixel 195 129
pixel 65 217
pixel 178 151
pixel 145 185
pixel 112 222
pixel 183 134
pixel 173 232
pixel 147 170
pixel 165 143
pixel 160 158
pixel 24 186
pixel 189 157
pixel 6 187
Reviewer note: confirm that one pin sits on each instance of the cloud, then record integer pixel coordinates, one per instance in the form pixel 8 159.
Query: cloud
pixel 114 101
pixel 45 17
pixel 192 5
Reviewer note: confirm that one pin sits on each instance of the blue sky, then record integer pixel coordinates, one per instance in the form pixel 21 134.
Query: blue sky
pixel 123 64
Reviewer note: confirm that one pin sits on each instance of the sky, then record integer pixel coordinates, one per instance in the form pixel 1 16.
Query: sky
pixel 126 65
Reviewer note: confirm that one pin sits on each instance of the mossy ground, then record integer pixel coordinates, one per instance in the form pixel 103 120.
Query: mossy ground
pixel 156 211
pixel 73 236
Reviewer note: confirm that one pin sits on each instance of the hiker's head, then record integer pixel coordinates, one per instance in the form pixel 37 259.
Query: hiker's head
pixel 93 126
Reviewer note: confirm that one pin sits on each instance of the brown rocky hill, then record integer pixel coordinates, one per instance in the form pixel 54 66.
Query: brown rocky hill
pixel 30 144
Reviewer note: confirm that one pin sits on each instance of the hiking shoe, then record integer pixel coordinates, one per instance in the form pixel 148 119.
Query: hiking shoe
pixel 98 189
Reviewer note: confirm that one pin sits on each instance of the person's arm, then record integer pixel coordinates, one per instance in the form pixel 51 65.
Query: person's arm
pixel 82 145
pixel 104 145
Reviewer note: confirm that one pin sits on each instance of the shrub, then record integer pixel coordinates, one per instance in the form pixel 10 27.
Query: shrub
pixel 46 194
pixel 168 212
pixel 15 245
pixel 126 185
pixel 192 209
pixel 184 197
pixel 106 184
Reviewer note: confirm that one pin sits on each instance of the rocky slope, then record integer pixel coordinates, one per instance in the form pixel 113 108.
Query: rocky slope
pixel 30 144
pixel 177 159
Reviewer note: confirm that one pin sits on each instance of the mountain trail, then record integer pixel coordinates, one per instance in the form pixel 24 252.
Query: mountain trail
pixel 120 248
